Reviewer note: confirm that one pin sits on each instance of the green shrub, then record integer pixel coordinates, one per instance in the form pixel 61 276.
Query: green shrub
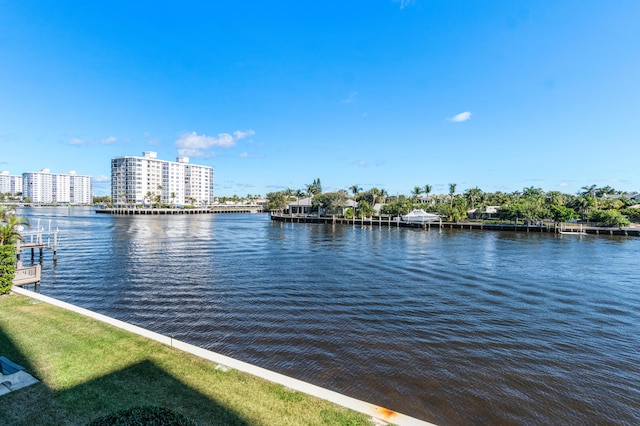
pixel 608 218
pixel 148 416
pixel 7 267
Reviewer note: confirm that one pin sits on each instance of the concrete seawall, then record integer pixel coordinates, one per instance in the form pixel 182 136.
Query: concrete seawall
pixel 180 211
pixel 546 228
pixel 381 414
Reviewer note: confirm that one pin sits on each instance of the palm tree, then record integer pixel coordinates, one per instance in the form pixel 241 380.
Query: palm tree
pixel 10 227
pixel 555 198
pixel 159 196
pixel 591 192
pixel 473 195
pixel 427 190
pixel 149 197
pixel 452 191
pixel 416 193
pixel 375 193
pixel 355 190
pixel 383 194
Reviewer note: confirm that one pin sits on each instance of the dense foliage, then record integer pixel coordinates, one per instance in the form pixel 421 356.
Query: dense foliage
pixel 9 233
pixel 7 267
pixel 604 206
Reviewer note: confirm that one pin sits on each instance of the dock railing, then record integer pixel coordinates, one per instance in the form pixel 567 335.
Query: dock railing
pixel 27 275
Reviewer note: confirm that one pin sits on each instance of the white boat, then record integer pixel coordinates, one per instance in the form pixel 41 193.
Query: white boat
pixel 572 231
pixel 419 216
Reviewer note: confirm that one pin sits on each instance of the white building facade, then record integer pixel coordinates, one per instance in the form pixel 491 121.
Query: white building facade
pixel 140 180
pixel 9 184
pixel 56 188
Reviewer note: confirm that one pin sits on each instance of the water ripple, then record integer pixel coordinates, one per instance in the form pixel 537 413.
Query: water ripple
pixel 455 327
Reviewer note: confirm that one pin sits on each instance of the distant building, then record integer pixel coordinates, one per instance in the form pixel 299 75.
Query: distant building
pixel 9 184
pixel 139 180
pixel 56 188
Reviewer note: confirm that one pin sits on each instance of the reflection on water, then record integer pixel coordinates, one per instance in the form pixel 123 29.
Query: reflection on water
pixel 454 327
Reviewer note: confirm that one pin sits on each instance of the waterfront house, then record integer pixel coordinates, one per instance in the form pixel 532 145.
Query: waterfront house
pixel 488 212
pixel 304 206
pixel 300 206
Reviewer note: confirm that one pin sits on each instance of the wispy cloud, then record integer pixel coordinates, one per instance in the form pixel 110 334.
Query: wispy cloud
pixel 200 146
pixel 459 118
pixel 404 3
pixel 106 141
pixel 102 178
pixel 350 99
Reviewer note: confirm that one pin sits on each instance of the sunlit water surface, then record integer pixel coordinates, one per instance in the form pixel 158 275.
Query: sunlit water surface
pixel 453 327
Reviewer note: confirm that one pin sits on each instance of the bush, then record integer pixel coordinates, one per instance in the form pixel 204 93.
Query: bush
pixel 7 267
pixel 148 416
pixel 634 213
pixel 608 218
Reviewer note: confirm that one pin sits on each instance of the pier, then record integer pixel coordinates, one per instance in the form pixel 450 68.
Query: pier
pixel 389 222
pixel 235 208
pixel 40 240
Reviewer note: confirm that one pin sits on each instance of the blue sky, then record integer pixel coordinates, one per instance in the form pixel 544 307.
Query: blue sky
pixel 274 94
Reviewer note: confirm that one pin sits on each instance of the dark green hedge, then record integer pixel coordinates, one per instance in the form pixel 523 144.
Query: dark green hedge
pixel 7 267
pixel 148 416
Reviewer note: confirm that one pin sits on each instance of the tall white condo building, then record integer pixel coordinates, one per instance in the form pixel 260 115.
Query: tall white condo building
pixel 10 184
pixel 47 187
pixel 140 180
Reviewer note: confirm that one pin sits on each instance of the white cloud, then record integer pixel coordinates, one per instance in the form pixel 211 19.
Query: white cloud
pixel 459 118
pixel 404 3
pixel 241 134
pixel 110 140
pixel 76 141
pixel 244 155
pixel 350 99
pixel 194 145
pixel 102 178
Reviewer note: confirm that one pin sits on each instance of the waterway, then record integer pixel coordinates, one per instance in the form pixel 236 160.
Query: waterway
pixel 453 327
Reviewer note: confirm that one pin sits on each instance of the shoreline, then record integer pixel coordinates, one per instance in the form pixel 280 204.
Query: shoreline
pixel 550 229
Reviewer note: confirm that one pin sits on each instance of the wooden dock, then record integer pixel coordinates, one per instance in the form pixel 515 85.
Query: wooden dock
pixel 27 275
pixel 34 240
pixel 389 222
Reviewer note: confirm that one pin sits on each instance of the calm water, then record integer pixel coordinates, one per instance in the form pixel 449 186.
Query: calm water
pixel 453 327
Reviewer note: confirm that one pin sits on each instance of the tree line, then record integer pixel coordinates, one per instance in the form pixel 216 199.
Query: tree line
pixel 604 205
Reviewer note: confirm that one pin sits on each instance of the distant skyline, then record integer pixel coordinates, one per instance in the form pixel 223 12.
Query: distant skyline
pixel 380 93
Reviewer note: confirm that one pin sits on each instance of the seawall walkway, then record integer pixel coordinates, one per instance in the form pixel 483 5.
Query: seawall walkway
pixel 376 412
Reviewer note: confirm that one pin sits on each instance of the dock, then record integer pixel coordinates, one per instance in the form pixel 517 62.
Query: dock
pixel 391 223
pixel 39 240
pixel 236 208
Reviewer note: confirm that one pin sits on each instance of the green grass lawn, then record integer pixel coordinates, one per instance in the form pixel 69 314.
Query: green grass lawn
pixel 88 369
